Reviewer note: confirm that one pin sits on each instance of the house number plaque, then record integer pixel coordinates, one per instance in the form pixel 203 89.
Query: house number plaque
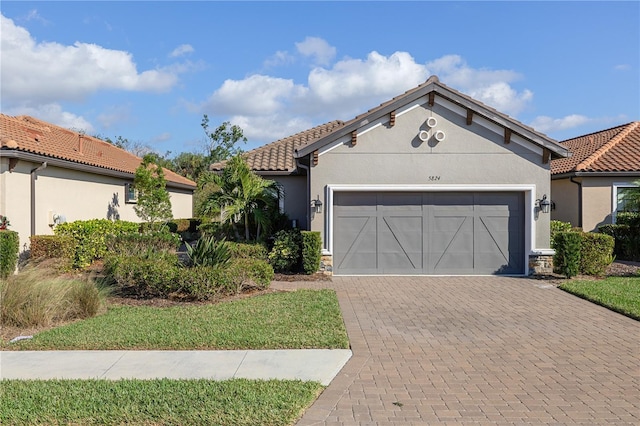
pixel 434 178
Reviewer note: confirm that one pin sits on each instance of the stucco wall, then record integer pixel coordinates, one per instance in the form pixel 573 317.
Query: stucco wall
pixel 469 156
pixel 74 194
pixel 295 198
pixel 565 195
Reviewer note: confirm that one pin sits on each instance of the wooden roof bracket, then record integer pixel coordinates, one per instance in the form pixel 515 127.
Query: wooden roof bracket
pixel 507 135
pixel 354 138
pixel 432 98
pixel 392 118
pixel 315 157
pixel 469 117
pixel 546 155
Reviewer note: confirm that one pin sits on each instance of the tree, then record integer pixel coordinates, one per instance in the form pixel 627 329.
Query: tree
pixel 242 197
pixel 190 165
pixel 154 202
pixel 222 141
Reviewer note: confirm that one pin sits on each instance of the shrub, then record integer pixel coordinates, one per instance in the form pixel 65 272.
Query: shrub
pixel 91 236
pixel 558 226
pixel 209 252
pixel 286 250
pixel 9 247
pixel 61 247
pixel 142 244
pixel 627 238
pixel 567 258
pixel 311 251
pixel 631 219
pixel 142 276
pixel 248 251
pixel 199 283
pixel 596 253
pixel 243 274
pixel 37 297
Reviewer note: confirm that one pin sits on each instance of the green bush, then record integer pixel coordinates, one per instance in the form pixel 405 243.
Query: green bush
pixel 567 258
pixel 144 276
pixel 248 250
pixel 631 219
pixel 243 274
pixel 9 247
pixel 311 251
pixel 558 226
pixel 61 247
pixel 209 251
pixel 140 244
pixel 286 250
pixel 596 253
pixel 91 237
pixel 627 239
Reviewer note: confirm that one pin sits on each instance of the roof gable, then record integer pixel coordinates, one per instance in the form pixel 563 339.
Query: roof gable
pixel 280 157
pixel 611 150
pixel 26 134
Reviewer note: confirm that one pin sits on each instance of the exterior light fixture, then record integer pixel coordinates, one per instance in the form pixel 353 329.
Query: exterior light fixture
pixel 317 205
pixel 543 204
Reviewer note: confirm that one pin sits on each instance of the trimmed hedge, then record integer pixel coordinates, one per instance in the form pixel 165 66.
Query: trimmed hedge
pixel 567 258
pixel 311 251
pixel 626 233
pixel 9 247
pixel 596 253
pixel 91 237
pixel 558 226
pixel 248 250
pixel 53 247
pixel 580 252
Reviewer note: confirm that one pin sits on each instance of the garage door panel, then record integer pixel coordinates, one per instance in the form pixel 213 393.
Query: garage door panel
pixel 356 244
pixel 400 243
pixel 429 233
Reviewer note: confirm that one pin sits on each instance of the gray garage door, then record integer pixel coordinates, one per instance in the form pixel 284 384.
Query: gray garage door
pixel 459 233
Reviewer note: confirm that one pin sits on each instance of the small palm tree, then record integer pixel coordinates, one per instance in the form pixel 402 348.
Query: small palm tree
pixel 242 196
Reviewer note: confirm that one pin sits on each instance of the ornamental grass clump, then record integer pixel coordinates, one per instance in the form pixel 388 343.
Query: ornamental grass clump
pixel 37 297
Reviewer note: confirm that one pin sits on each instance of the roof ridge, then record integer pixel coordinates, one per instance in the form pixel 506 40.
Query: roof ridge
pixel 587 162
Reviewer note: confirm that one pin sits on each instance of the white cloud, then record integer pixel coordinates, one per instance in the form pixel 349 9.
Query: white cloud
pixel 41 73
pixel 162 137
pixel 281 57
pixel 53 113
pixel 114 116
pixel 181 50
pixel 269 108
pixel 318 49
pixel 492 87
pixel 622 67
pixel 548 124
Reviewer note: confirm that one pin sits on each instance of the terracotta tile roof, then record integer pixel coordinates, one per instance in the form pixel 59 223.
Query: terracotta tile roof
pixel 612 150
pixel 278 156
pixel 30 135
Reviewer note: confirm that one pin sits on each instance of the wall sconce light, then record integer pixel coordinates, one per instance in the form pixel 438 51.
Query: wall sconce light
pixel 316 205
pixel 543 204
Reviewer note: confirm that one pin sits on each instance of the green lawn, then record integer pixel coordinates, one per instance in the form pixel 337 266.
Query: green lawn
pixel 620 294
pixel 155 402
pixel 289 320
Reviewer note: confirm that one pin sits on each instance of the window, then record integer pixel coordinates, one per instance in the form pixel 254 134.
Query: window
pixel 622 194
pixel 130 194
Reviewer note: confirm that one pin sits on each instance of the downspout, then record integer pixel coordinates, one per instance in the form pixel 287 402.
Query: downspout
pixel 308 201
pixel 579 200
pixel 34 176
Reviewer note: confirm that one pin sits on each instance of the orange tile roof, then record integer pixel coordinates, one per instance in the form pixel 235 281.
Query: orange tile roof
pixel 611 150
pixel 28 134
pixel 278 156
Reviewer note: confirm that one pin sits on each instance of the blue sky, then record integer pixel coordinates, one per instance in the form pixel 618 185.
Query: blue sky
pixel 148 71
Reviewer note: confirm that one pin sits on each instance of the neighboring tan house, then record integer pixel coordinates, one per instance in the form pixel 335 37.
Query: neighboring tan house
pixel 588 188
pixel 49 174
pixel 431 182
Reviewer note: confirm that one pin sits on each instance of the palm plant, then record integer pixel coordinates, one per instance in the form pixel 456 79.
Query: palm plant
pixel 242 197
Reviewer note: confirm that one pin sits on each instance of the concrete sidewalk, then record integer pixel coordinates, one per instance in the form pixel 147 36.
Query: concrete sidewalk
pixel 320 365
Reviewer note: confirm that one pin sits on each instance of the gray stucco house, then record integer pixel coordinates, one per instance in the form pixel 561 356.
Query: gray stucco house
pixel 431 182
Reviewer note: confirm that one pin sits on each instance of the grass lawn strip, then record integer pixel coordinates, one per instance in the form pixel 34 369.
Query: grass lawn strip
pixel 620 294
pixel 303 319
pixel 157 402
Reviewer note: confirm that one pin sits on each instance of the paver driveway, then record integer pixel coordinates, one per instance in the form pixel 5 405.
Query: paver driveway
pixel 478 350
